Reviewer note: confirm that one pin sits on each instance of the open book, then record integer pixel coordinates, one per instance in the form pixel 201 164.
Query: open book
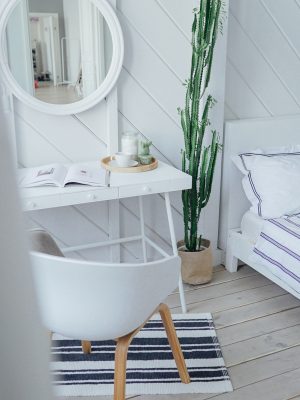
pixel 61 175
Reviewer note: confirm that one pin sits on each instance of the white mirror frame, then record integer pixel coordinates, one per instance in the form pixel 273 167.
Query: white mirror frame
pixel 81 105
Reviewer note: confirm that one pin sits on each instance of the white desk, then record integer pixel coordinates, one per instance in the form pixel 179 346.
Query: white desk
pixel 164 179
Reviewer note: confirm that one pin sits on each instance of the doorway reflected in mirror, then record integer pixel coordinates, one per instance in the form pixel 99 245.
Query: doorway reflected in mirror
pixel 65 47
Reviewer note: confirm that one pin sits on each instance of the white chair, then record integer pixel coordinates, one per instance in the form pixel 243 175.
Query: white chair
pixel 95 301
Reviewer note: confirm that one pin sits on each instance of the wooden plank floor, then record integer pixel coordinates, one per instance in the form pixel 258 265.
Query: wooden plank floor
pixel 258 326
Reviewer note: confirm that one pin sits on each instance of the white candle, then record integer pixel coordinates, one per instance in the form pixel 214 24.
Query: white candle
pixel 130 143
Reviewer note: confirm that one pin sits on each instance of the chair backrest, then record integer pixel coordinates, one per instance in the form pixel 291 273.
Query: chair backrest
pixel 95 301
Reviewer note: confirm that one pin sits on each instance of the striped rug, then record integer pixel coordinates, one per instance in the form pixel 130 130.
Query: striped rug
pixel 150 368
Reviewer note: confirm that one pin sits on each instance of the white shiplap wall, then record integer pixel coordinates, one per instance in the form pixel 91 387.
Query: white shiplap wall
pixel 263 61
pixel 157 58
pixel 263 64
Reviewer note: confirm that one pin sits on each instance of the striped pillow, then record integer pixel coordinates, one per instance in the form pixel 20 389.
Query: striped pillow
pixel 271 182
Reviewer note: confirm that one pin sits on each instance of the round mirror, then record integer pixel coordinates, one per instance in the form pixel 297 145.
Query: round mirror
pixel 60 56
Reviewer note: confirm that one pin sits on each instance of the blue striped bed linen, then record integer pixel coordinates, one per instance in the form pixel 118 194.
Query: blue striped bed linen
pixel 278 248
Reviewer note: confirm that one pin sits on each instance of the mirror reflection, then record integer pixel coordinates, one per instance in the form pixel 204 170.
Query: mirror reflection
pixel 59 51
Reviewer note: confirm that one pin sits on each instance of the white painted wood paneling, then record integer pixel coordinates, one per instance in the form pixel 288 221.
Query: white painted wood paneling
pixel 238 88
pixel 263 65
pixel 157 60
pixel 159 31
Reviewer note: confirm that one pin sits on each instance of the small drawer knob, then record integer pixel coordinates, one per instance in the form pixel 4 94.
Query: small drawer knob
pixel 92 196
pixel 31 205
pixel 147 189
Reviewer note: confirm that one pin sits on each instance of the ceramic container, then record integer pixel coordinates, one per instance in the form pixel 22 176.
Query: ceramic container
pixel 129 144
pixel 123 160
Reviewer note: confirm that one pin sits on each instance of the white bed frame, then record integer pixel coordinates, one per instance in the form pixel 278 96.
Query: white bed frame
pixel 242 136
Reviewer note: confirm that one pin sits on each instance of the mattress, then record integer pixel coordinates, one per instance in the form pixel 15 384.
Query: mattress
pixel 251 226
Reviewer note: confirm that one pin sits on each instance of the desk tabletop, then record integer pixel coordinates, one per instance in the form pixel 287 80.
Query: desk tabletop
pixel 161 180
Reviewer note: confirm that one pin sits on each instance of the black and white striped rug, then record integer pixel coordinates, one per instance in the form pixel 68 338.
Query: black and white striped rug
pixel 150 368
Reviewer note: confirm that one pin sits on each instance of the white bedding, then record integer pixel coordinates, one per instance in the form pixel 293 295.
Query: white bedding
pixel 251 226
pixel 278 249
pixel 271 180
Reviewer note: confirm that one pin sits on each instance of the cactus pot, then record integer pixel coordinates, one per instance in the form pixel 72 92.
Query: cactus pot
pixel 196 267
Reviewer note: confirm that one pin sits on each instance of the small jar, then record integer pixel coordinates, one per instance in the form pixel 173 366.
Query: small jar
pixel 129 144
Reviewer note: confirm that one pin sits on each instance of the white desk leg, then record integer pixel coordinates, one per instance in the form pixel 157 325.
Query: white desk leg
pixel 114 229
pixel 175 251
pixel 142 222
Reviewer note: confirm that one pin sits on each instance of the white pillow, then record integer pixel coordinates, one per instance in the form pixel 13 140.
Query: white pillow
pixel 272 181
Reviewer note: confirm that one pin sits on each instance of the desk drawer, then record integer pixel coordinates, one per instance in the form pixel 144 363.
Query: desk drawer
pixel 140 190
pixel 67 199
pixel 143 189
pixel 147 188
pixel 40 203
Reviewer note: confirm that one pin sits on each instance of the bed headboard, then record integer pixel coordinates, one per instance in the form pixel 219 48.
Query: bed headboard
pixel 244 136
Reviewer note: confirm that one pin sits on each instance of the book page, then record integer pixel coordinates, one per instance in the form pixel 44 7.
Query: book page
pixel 86 175
pixel 47 175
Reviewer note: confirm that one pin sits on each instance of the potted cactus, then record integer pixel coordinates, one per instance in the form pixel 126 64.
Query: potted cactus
pixel 199 158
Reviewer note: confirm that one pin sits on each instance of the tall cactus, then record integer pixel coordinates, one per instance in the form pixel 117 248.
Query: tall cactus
pixel 199 160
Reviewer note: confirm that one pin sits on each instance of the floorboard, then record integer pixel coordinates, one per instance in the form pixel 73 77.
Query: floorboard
pixel 221 290
pixel 261 346
pixel 258 326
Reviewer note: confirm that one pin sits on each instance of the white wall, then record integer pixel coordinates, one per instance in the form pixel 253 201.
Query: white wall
pixel 52 6
pixel 157 61
pixel 157 57
pixel 72 46
pixel 263 65
pixel 263 60
pixel 19 47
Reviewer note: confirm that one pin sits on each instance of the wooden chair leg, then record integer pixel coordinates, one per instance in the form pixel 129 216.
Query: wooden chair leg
pixel 86 347
pixel 123 344
pixel 174 343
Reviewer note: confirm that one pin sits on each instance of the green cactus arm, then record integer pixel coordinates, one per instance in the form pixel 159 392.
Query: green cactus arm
pixel 185 131
pixel 185 202
pixel 199 243
pixel 203 170
pixel 208 14
pixel 210 30
pixel 197 81
pixel 201 22
pixel 195 116
pixel 183 161
pixel 202 128
pixel 214 39
pixel 194 50
pixel 215 147
pixel 188 121
pixel 209 183
pixel 197 85
pixel 204 119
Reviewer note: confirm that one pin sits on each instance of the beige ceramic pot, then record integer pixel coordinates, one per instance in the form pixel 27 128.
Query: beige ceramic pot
pixel 197 267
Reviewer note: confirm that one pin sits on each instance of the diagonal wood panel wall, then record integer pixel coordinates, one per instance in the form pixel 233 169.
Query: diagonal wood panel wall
pixel 157 61
pixel 263 64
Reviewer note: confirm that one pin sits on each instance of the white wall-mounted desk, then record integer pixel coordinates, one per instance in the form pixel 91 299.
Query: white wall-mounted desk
pixel 164 179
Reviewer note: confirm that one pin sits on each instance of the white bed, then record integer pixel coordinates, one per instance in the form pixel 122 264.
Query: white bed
pixel 251 226
pixel 239 228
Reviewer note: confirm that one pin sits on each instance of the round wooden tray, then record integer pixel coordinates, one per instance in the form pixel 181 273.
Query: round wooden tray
pixel 133 170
